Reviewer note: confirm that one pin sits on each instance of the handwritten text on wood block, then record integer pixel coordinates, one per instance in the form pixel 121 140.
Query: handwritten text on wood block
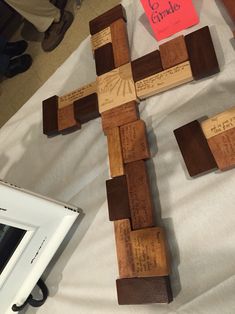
pixel 101 38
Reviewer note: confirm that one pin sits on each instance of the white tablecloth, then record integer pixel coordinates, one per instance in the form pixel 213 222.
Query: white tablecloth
pixel 198 214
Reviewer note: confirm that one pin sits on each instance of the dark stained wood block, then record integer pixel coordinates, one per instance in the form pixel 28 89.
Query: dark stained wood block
pixel 86 108
pixel 173 52
pixel 144 290
pixel 146 66
pixel 139 195
pixel 66 120
pixel 202 54
pixel 107 18
pixel 104 59
pixel 117 197
pixel 50 116
pixel 194 148
pixel 230 6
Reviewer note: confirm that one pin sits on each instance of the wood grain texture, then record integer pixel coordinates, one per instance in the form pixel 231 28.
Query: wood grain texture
pixel 141 207
pixel 102 38
pixel 223 149
pixel 194 148
pixel 50 116
pixel 115 152
pixel 120 115
pixel 202 54
pixel 122 231
pixel 76 94
pixel 220 123
pixel 120 43
pixel 116 88
pixel 66 120
pixel 146 66
pixel 173 52
pixel 144 290
pixel 164 80
pixel 104 59
pixel 86 108
pixel 107 18
pixel 229 4
pixel 117 197
pixel 134 141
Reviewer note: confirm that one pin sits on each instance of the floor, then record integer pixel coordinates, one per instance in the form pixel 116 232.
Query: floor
pixel 16 91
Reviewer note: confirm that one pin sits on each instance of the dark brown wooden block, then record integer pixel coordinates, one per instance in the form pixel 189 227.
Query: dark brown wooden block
pixel 50 116
pixel 107 18
pixel 66 120
pixel 194 148
pixel 86 108
pixel 117 197
pixel 139 195
pixel 144 290
pixel 202 53
pixel 146 66
pixel 104 59
pixel 230 6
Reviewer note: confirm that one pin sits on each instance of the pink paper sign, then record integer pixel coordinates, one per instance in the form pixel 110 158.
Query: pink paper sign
pixel 169 17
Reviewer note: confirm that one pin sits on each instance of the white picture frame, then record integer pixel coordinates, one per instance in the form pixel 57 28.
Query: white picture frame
pixel 41 225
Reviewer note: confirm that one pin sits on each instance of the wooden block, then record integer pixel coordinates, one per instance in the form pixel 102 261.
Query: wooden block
pixel 223 149
pixel 120 43
pixel 144 290
pixel 79 93
pixel 107 18
pixel 201 52
pixel 134 141
pixel 117 197
pixel 86 108
pixel 220 123
pixel 66 120
pixel 173 52
pixel 141 207
pixel 115 152
pixel 123 248
pixel 146 66
pixel 120 115
pixel 50 116
pixel 194 148
pixel 102 38
pixel 164 80
pixel 229 4
pixel 116 88
pixel 104 60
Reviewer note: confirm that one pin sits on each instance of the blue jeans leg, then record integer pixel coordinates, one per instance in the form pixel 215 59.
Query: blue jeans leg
pixel 4 62
pixel 3 43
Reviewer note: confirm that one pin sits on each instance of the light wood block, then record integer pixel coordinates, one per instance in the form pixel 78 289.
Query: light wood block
pixel 220 123
pixel 173 52
pixel 66 120
pixel 141 207
pixel 102 38
pixel 120 43
pixel 116 88
pixel 115 152
pixel 134 141
pixel 120 115
pixel 79 93
pixel 164 80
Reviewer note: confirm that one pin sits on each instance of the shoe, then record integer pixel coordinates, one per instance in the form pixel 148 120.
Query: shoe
pixel 18 65
pixel 13 49
pixel 55 33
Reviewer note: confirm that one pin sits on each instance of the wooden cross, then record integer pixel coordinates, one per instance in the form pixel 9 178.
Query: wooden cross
pixel 144 267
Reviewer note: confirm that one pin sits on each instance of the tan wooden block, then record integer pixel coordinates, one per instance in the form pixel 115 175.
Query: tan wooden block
pixel 115 88
pixel 220 123
pixel 66 118
pixel 140 200
pixel 122 230
pixel 223 149
pixel 102 38
pixel 149 251
pixel 120 43
pixel 77 94
pixel 164 80
pixel 134 141
pixel 120 115
pixel 115 152
pixel 173 52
